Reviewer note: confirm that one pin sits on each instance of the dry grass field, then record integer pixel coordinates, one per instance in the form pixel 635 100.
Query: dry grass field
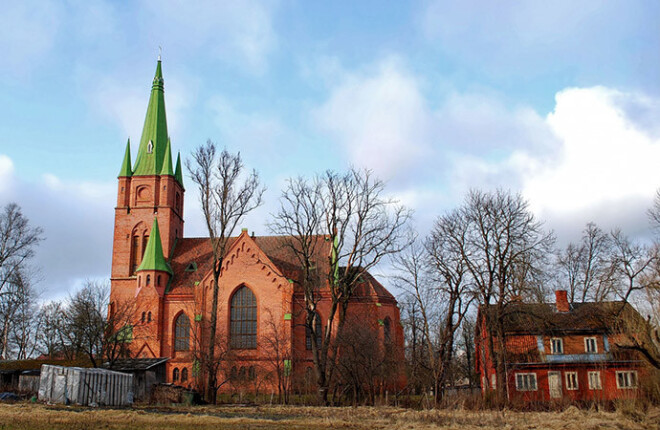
pixel 37 416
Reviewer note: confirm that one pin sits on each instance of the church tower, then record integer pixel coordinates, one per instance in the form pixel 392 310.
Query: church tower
pixel 149 211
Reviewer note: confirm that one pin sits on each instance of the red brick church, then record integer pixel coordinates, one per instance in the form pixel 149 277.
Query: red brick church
pixel 166 277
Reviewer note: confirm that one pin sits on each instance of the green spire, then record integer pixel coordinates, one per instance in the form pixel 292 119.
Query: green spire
pixel 167 161
pixel 151 153
pixel 153 258
pixel 177 172
pixel 125 170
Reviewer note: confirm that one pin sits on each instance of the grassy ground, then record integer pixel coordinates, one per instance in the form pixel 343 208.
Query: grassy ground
pixel 37 416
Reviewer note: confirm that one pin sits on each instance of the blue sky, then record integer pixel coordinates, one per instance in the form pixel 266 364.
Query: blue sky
pixel 558 100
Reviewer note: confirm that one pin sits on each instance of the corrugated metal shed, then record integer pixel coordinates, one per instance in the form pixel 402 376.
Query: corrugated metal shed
pixel 93 387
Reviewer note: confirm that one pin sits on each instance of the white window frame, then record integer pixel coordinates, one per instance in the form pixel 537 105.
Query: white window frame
pixel 526 382
pixel 572 383
pixel 589 340
pixel 631 379
pixel 594 376
pixel 556 341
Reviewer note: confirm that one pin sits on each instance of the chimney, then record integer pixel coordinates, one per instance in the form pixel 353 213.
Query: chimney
pixel 561 297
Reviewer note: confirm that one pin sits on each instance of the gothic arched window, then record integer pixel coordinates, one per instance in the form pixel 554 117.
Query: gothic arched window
pixel 149 317
pixel 317 329
pixel 175 374
pixel 243 330
pixel 182 333
pixel 184 374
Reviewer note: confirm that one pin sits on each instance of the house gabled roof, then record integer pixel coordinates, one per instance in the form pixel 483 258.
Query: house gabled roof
pixel 543 318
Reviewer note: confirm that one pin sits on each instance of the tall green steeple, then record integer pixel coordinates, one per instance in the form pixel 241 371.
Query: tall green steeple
pixel 167 161
pixel 125 170
pixel 151 153
pixel 177 172
pixel 153 258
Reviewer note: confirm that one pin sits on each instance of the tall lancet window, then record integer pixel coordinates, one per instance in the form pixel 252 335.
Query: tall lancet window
pixel 182 333
pixel 243 332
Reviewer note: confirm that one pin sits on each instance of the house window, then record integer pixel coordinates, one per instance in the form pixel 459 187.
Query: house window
pixel 556 346
pixel 184 374
pixel 626 379
pixel 243 330
pixel 318 329
pixel 590 345
pixel 571 380
pixel 594 381
pixel 526 381
pixel 175 374
pixel 182 333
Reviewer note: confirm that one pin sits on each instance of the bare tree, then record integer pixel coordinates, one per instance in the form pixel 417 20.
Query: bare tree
pixel 226 197
pixel 50 334
pixel 585 268
pixel 445 247
pixel 504 245
pixel 18 309
pixel 362 227
pixel 367 364
pixel 17 241
pixel 277 346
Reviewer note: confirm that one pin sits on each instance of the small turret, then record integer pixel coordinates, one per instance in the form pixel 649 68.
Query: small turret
pixel 154 270
pixel 177 172
pixel 125 170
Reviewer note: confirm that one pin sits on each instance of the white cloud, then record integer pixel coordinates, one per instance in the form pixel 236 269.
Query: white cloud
pixel 380 119
pixel 606 159
pixel 77 223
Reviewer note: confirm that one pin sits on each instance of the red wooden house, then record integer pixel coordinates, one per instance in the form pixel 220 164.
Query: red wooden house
pixel 559 352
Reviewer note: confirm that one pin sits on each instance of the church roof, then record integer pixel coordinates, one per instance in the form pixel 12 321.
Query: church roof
pixel 153 258
pixel 199 252
pixel 151 152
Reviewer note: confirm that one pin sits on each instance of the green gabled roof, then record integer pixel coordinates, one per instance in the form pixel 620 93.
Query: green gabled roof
pixel 167 161
pixel 153 258
pixel 177 172
pixel 154 131
pixel 126 165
